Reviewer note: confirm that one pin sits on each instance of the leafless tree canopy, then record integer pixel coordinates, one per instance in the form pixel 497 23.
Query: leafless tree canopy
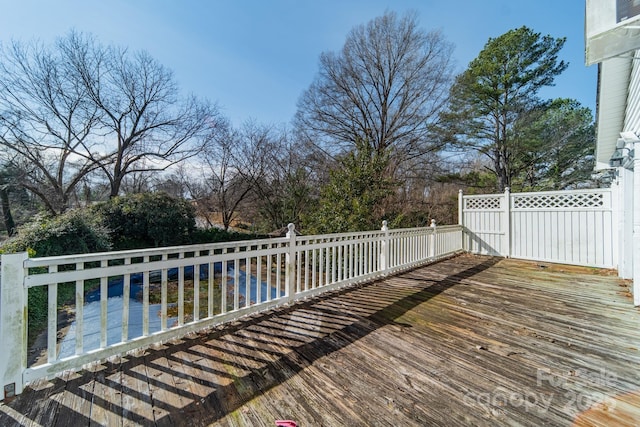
pixel 79 107
pixel 215 183
pixel 385 87
pixel 47 122
pixel 151 126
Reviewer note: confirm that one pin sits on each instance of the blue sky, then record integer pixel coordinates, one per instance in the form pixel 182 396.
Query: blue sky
pixel 255 57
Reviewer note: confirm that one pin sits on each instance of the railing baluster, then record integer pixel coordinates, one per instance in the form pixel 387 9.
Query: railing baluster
pixel 247 282
pixel 163 295
pixel 52 319
pixel 352 257
pixel 321 278
pixel 327 264
pixel 366 257
pixel 145 300
pixel 223 285
pixel 340 260
pixel 236 283
pixel 258 279
pixel 126 293
pixel 268 267
pixel 104 305
pixel 196 292
pixel 79 311
pixel 210 277
pixel 298 266
pixel 278 275
pixel 314 268
pixel 181 292
pixel 333 263
pixel 306 270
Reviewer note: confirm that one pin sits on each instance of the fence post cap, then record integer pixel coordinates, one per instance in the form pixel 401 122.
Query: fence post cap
pixel 433 222
pixel 384 225
pixel 292 229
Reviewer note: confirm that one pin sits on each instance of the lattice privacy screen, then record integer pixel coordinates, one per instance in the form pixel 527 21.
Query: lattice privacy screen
pixel 482 203
pixel 553 201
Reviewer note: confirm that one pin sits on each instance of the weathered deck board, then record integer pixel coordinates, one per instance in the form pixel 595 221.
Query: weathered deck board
pixel 467 341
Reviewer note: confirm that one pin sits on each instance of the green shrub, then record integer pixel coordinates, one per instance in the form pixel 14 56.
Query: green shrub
pixel 78 231
pixel 148 220
pixel 214 235
pixel 74 232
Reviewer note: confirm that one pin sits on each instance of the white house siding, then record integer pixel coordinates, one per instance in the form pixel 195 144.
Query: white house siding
pixel 612 102
pixel 632 113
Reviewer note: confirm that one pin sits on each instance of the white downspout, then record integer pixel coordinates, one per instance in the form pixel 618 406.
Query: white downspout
pixel 636 224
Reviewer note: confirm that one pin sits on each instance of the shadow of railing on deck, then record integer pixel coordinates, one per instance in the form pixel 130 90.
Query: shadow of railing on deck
pixel 202 379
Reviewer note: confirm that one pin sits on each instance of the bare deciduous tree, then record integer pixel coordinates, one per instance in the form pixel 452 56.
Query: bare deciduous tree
pixel 47 122
pixel 252 174
pixel 284 185
pixel 150 126
pixel 385 87
pixel 219 188
pixel 78 107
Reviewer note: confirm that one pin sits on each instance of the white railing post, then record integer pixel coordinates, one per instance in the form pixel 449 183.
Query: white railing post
pixel 461 217
pixel 13 323
pixel 460 207
pixel 290 264
pixel 384 248
pixel 432 238
pixel 507 223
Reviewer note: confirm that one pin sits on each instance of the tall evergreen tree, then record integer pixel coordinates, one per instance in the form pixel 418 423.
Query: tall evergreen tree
pixel 497 90
pixel 557 146
pixel 353 198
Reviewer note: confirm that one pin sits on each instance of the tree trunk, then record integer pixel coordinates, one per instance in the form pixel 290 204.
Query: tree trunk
pixel 9 223
pixel 116 182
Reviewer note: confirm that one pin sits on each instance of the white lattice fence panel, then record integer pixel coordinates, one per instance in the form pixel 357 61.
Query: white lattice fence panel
pixel 582 200
pixel 482 202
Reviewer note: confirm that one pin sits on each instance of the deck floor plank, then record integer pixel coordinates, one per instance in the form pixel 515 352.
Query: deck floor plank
pixel 466 341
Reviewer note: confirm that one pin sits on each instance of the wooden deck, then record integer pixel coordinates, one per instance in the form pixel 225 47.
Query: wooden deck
pixel 466 341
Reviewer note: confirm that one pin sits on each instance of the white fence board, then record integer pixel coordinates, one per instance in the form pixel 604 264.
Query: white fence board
pixel 568 227
pixel 483 220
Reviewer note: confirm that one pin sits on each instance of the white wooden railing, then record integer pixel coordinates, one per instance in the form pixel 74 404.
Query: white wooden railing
pixel 170 292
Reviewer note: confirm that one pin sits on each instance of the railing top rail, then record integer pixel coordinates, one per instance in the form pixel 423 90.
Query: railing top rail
pixel 340 236
pixel 563 192
pixel 539 193
pixel 445 228
pixel 482 196
pixel 429 229
pixel 374 233
pixel 248 245
pixel 135 253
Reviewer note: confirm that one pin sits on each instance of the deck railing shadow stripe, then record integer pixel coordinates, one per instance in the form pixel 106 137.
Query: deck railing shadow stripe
pixel 195 364
pixel 326 315
pixel 226 398
pixel 251 359
pixel 281 339
pixel 306 354
pixel 251 345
